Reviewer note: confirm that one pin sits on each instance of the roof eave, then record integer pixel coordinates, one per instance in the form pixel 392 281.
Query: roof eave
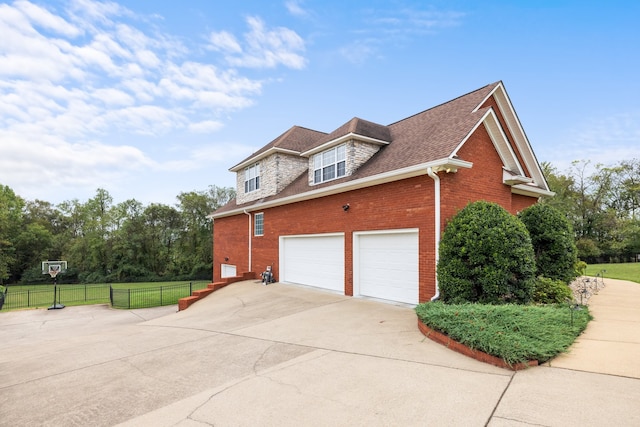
pixel 448 165
pixel 261 156
pixel 528 190
pixel 341 139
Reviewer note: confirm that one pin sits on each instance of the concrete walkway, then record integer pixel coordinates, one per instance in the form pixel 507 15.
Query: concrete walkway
pixel 281 355
pixel 611 343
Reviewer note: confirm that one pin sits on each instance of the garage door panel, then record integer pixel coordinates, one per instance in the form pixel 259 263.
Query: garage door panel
pixel 316 260
pixel 387 265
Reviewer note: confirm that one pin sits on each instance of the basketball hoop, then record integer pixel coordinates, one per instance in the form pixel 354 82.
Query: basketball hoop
pixel 54 269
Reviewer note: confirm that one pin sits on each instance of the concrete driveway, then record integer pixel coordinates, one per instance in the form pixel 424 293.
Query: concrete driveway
pixel 279 355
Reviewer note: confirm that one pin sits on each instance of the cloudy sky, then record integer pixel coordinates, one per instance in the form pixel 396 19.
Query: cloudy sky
pixel 147 99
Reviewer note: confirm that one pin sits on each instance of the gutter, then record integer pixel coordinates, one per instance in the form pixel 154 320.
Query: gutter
pixel 436 183
pixel 446 164
pixel 249 215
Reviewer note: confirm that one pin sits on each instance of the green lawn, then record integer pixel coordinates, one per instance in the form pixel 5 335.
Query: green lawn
pixel 625 271
pixel 126 295
pixel 198 284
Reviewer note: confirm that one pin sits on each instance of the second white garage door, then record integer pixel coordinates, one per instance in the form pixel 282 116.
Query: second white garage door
pixel 314 260
pixel 385 265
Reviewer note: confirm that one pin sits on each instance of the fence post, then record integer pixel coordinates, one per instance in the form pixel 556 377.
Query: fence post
pixel 129 298
pixel 111 295
pixel 190 288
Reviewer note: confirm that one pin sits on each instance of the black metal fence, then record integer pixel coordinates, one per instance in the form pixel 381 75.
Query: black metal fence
pixel 43 295
pixel 143 297
pixel 149 297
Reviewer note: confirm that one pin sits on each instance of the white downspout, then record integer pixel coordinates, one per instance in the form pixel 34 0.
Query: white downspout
pixel 436 182
pixel 249 215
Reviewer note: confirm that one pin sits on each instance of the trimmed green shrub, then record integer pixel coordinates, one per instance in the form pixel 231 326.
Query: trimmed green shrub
pixel 550 291
pixel 553 242
pixel 581 268
pixel 486 256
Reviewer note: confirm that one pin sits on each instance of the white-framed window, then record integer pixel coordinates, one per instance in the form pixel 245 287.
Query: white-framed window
pixel 330 164
pixel 258 224
pixel 252 178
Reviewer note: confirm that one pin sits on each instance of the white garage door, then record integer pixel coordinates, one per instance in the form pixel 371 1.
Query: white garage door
pixel 314 260
pixel 385 265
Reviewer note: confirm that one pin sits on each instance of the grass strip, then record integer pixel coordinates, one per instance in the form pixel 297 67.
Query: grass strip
pixel 514 333
pixel 624 271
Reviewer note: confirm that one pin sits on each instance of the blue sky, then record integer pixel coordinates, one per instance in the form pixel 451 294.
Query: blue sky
pixel 150 99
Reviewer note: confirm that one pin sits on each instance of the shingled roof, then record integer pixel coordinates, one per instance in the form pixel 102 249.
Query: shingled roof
pixel 296 139
pixel 429 136
pixel 357 126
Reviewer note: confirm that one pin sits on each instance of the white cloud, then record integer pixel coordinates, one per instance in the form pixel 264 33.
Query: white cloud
pixel 53 162
pixel 414 21
pixel 224 41
pixel 295 8
pixel 360 51
pixel 84 82
pixel 43 18
pixel 262 47
pixel 206 126
pixel 379 28
pixel 602 140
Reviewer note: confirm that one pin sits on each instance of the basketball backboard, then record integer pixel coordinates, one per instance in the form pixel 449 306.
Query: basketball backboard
pixel 53 268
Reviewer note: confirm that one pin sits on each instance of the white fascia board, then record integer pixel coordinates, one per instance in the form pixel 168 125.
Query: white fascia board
pixel 452 165
pixel 531 191
pixel 499 86
pixel 340 140
pixel 261 156
pixel 501 142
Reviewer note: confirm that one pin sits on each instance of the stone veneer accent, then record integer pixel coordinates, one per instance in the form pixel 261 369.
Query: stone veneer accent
pixel 357 153
pixel 276 172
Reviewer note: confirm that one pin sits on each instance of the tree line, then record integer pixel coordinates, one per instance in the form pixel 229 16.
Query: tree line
pixel 105 242
pixel 128 241
pixel 603 205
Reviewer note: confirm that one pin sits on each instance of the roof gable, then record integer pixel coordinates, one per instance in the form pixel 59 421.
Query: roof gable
pixel 294 141
pixel 355 128
pixel 431 138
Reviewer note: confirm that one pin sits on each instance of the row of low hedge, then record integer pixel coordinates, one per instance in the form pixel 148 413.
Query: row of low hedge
pixel 514 333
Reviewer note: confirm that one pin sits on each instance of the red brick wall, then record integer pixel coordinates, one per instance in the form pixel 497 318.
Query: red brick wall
pixel 403 204
pixel 520 203
pixel 482 182
pixel 230 240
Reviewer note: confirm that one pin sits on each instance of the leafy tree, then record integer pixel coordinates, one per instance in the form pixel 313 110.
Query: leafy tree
pixel 11 221
pixel 553 242
pixel 486 256
pixel 196 242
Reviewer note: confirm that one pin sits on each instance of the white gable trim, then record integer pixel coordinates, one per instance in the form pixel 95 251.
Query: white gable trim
pixel 261 156
pixel 340 140
pixel 500 142
pixel 520 138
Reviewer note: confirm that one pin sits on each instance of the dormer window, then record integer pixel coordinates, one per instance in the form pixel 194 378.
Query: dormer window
pixel 330 164
pixel 252 178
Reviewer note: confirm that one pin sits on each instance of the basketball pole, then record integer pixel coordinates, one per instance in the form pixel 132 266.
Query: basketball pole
pixel 55 305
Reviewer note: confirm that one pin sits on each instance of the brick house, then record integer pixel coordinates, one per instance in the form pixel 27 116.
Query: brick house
pixel 360 210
